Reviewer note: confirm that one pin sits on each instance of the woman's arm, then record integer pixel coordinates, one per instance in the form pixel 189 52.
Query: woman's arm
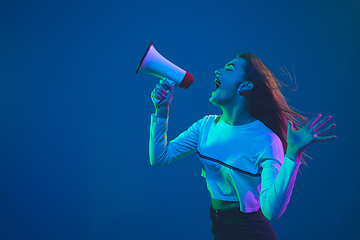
pixel 278 182
pixel 160 151
pixel 277 186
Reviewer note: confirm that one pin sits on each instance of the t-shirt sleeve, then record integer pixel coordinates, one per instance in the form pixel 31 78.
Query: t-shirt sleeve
pixel 277 180
pixel 162 152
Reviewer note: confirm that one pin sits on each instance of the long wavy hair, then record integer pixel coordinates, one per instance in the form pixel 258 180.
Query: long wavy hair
pixel 267 102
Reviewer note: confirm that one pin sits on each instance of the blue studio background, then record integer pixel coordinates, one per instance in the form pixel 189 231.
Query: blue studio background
pixel 75 117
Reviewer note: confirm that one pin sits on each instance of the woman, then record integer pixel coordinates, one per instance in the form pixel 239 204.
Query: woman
pixel 250 154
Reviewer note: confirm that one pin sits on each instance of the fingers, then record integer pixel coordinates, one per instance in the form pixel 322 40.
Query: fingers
pixel 164 83
pixel 158 94
pixel 318 125
pixel 313 120
pixel 159 91
pixel 167 84
pixel 320 139
pixel 323 132
pixel 161 88
pixel 164 90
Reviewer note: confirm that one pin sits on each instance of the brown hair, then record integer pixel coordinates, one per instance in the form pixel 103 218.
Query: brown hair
pixel 267 103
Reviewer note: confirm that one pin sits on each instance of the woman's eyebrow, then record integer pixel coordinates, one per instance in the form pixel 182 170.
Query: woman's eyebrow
pixel 230 64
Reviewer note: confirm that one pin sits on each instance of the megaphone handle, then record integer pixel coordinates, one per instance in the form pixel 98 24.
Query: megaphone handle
pixel 169 81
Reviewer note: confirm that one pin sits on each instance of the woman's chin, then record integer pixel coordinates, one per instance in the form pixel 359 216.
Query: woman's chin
pixel 212 99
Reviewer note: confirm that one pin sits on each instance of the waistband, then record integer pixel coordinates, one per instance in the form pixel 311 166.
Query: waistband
pixel 230 213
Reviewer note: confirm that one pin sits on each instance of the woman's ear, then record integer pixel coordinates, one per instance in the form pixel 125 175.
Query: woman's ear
pixel 246 90
pixel 245 86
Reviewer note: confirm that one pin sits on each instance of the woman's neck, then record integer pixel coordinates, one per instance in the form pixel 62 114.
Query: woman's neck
pixel 237 116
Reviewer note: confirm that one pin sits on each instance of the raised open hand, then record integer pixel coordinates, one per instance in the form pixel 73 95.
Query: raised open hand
pixel 298 141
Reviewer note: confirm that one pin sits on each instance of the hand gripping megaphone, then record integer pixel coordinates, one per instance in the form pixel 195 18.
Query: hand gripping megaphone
pixel 153 63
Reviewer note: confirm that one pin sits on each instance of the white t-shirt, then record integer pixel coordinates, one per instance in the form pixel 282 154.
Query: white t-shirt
pixel 240 163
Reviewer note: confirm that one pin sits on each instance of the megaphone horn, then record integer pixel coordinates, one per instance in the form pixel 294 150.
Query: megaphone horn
pixel 153 63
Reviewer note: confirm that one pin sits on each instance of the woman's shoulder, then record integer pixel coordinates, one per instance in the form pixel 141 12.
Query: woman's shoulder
pixel 207 119
pixel 267 132
pixel 211 118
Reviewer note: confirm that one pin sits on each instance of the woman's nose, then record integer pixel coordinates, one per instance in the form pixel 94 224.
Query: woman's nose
pixel 217 72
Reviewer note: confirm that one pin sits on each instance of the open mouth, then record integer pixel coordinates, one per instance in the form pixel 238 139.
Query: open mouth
pixel 217 83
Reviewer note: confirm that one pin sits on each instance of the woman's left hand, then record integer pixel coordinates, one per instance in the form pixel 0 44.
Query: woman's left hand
pixel 298 141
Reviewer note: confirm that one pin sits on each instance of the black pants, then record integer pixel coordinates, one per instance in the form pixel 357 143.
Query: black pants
pixel 233 224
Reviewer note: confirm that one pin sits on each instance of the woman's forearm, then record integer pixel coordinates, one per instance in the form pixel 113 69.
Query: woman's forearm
pixel 276 188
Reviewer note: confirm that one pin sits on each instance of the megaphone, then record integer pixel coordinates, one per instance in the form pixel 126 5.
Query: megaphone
pixel 153 63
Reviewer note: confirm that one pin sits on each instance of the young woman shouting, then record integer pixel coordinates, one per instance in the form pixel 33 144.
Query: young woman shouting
pixel 250 154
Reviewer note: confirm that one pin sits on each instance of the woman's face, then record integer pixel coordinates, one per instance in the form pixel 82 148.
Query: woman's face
pixel 227 82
